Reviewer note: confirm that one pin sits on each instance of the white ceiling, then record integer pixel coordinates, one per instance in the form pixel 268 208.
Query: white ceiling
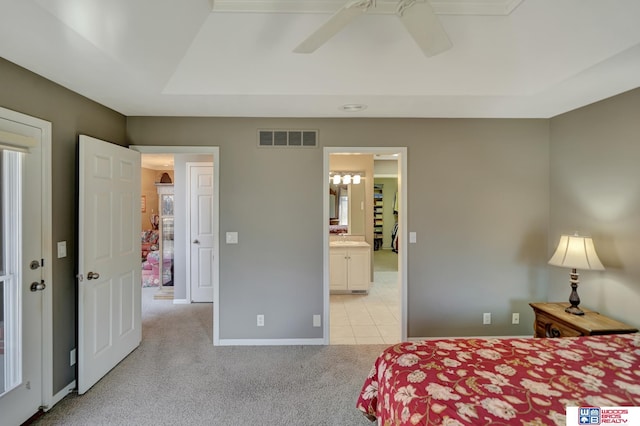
pixel 157 161
pixel 510 58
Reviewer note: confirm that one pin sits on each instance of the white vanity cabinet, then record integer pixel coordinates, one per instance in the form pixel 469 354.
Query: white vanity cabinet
pixel 349 266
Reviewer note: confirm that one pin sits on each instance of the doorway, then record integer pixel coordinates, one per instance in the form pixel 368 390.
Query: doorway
pixel 182 292
pixel 377 315
pixel 157 225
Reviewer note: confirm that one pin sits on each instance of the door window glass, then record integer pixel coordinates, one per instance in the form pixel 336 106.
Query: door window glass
pixel 1 215
pixel 10 273
pixel 1 337
pixel 167 204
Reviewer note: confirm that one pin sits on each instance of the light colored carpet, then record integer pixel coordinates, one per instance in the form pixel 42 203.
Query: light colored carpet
pixel 177 377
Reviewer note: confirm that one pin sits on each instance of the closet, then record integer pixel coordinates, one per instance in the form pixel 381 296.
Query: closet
pixel 378 215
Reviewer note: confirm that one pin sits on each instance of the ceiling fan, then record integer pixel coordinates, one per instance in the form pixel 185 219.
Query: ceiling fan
pixel 417 16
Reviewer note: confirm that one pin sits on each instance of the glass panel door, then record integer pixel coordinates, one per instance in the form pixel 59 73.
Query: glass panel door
pixel 10 275
pixel 167 251
pixel 166 206
pixel 2 333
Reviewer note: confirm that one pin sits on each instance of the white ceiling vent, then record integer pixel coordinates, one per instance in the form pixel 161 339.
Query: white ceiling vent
pixel 288 138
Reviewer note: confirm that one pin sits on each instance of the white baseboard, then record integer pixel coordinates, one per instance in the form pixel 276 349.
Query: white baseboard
pixel 60 395
pixel 181 302
pixel 270 342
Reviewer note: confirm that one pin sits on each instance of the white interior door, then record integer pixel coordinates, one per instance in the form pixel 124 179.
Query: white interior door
pixel 21 310
pixel 201 231
pixel 109 287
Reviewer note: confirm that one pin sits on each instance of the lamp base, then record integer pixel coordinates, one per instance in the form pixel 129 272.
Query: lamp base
pixel 574 299
pixel 574 310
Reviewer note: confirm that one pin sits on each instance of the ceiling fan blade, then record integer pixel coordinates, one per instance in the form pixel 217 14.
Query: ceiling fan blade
pixel 424 26
pixel 337 22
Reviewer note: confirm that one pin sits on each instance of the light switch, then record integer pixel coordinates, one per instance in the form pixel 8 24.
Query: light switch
pixel 413 237
pixel 232 238
pixel 62 249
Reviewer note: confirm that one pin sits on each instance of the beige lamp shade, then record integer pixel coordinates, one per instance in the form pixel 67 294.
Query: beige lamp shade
pixel 576 252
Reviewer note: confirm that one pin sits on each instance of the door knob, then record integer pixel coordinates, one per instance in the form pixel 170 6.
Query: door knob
pixel 196 242
pixel 93 276
pixel 38 286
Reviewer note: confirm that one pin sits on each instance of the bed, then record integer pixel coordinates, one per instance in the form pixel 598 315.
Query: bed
pixel 500 381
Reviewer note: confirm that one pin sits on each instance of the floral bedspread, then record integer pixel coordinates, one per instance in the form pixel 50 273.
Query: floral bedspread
pixel 500 381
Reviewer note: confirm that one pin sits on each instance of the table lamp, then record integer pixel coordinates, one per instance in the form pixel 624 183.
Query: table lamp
pixel 575 252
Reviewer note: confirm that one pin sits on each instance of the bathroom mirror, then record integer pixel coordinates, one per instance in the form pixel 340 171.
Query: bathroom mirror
pixel 346 209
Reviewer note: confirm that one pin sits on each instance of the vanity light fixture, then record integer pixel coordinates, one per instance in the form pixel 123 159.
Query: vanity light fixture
pixel 346 177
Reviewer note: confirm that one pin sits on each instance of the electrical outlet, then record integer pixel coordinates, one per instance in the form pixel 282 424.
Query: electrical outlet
pixel 260 320
pixel 72 357
pixel 515 318
pixel 316 321
pixel 486 318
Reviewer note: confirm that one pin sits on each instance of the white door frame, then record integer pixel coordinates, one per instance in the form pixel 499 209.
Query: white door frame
pixel 402 228
pixel 48 398
pixel 215 151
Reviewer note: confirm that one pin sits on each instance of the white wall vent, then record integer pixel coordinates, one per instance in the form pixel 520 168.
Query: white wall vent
pixel 288 138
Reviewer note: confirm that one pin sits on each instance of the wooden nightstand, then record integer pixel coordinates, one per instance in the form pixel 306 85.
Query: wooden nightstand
pixel 552 321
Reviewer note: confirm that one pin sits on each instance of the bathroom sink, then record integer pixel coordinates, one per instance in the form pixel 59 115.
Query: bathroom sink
pixel 349 243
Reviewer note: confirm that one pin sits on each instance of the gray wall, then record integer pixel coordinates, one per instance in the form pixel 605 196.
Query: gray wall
pixel 595 190
pixel 478 199
pixel 70 115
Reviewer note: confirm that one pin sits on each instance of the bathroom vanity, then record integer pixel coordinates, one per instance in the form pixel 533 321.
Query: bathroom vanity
pixel 349 266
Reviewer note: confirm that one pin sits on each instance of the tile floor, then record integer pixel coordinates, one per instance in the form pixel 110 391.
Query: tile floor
pixel 367 319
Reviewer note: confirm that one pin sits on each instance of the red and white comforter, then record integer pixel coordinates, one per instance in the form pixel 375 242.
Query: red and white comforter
pixel 500 381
